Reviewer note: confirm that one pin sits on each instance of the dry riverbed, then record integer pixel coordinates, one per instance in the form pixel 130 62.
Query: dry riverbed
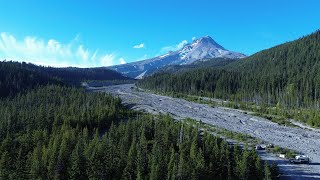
pixel 298 139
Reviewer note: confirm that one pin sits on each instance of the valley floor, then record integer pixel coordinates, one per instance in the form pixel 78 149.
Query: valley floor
pixel 298 139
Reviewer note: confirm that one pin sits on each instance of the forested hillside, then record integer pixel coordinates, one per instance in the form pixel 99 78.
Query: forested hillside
pixel 287 75
pixel 14 78
pixel 63 133
pixel 205 63
pixel 17 77
pixel 77 75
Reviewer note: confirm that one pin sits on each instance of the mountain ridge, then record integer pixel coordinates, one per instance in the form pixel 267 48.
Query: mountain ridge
pixel 202 48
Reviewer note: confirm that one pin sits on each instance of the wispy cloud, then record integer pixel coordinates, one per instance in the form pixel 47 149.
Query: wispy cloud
pixel 181 44
pixel 107 60
pixel 139 46
pixel 173 47
pixel 52 52
pixel 122 61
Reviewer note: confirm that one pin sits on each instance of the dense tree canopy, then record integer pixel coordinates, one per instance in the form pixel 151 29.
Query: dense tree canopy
pixel 50 106
pixel 216 63
pixel 14 79
pixel 17 77
pixel 75 75
pixel 145 147
pixel 56 132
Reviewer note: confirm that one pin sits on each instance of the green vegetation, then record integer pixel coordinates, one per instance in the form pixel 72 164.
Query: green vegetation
pixel 17 77
pixel 39 129
pixel 74 75
pixel 284 80
pixel 287 152
pixel 95 83
pixel 49 130
pixel 149 148
pixel 50 106
pixel 213 63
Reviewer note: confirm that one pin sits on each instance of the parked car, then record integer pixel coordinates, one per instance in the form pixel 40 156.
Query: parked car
pixel 270 146
pixel 300 159
pixel 258 147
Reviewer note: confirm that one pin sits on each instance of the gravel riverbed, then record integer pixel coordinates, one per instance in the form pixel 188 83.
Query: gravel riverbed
pixel 306 141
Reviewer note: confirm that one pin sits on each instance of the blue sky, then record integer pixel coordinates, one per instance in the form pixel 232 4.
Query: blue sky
pixel 108 32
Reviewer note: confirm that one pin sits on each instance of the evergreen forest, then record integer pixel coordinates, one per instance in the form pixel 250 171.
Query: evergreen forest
pixel 51 129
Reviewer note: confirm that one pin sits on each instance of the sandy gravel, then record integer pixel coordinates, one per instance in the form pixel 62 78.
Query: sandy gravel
pixel 301 140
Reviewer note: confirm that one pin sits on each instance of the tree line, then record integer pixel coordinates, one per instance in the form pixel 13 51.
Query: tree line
pixel 17 77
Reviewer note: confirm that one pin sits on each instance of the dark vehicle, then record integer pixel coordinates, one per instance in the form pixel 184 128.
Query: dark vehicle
pixel 258 147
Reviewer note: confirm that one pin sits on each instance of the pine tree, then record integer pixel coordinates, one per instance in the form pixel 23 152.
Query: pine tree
pixel 154 171
pixel 36 163
pixel 181 163
pixel 258 168
pixel 77 168
pixel 139 176
pixel 142 153
pixel 267 173
pixel 63 157
pixel 244 167
pixel 20 167
pixel 171 171
pixel 4 162
pixel 193 158
pixel 200 167
pixel 274 171
pixel 131 160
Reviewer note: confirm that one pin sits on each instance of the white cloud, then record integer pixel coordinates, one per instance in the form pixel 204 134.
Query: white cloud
pixel 93 57
pixel 52 52
pixel 182 43
pixel 139 46
pixel 193 38
pixel 173 47
pixel 122 61
pixel 83 53
pixel 107 60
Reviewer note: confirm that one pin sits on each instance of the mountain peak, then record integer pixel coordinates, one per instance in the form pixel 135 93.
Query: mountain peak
pixel 202 48
pixel 207 41
pixel 207 37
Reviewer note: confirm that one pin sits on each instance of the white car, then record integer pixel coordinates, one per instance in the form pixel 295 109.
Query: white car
pixel 300 159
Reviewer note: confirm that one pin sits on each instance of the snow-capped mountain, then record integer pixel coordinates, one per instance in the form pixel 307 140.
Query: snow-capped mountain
pixel 202 48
